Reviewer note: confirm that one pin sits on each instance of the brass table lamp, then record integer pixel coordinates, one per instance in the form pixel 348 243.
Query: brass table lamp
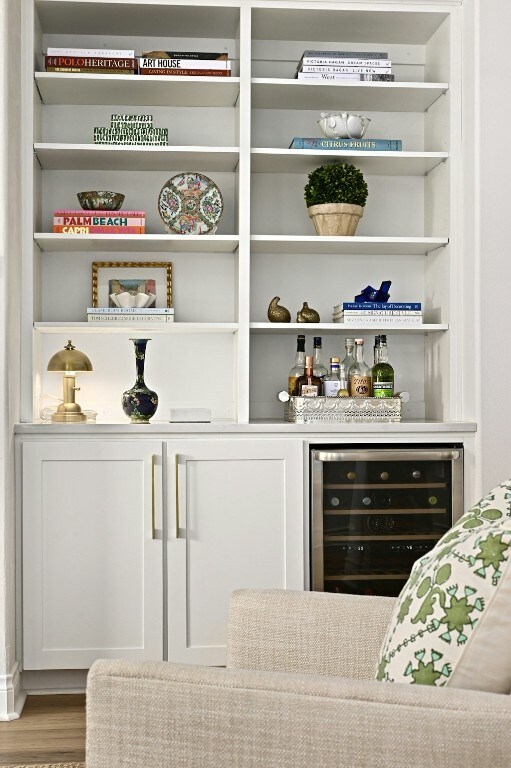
pixel 69 361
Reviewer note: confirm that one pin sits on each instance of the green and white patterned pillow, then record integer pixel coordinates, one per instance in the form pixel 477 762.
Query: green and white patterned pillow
pixel 452 621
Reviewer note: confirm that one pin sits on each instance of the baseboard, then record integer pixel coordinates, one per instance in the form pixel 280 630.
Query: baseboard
pixel 12 696
pixel 46 681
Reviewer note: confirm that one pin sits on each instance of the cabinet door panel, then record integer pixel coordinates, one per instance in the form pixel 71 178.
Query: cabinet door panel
pixel 92 573
pixel 240 522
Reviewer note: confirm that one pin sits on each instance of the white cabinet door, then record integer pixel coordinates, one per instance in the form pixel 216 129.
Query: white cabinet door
pixel 92 552
pixel 235 521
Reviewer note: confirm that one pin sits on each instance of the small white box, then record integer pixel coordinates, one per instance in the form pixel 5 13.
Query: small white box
pixel 190 414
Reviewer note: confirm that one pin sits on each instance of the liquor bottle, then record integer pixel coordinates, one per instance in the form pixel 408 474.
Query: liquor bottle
pixel 359 375
pixel 349 358
pixel 297 369
pixel 382 374
pixel 332 380
pixel 308 385
pixel 343 380
pixel 319 369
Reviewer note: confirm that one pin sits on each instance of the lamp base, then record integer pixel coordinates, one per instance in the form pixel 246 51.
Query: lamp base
pixel 69 411
pixel 68 417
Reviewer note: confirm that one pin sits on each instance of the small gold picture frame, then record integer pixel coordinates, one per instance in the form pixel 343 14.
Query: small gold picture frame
pixel 132 284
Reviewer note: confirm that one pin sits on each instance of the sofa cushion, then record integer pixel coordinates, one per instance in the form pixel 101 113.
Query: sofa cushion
pixel 452 622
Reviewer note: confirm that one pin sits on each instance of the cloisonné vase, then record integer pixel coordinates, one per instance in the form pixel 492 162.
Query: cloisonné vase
pixel 140 402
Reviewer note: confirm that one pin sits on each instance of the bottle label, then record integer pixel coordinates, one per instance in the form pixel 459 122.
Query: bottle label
pixel 360 386
pixel 309 390
pixel 383 389
pixel 331 388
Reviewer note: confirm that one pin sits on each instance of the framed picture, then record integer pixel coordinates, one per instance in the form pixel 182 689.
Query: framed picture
pixel 132 284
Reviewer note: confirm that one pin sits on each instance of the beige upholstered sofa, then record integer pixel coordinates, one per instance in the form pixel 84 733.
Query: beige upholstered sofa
pixel 298 693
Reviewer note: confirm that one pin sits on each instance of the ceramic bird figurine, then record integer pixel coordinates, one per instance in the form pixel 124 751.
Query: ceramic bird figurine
pixel 277 314
pixel 307 315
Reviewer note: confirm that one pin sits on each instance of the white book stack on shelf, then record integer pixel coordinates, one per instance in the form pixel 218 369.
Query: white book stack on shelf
pixel 378 314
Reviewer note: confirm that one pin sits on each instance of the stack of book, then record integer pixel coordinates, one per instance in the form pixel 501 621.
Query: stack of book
pixel 184 64
pixel 96 61
pixel 379 314
pixel 130 315
pixel 374 145
pixel 344 65
pixel 133 130
pixel 99 222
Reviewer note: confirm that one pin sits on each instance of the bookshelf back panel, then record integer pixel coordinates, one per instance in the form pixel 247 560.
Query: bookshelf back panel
pixel 325 280
pixel 270 364
pixel 141 190
pixel 178 368
pixel 187 126
pixel 277 127
pixel 203 284
pixel 394 207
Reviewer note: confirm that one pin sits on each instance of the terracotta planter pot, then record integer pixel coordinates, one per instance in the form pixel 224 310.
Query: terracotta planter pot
pixel 335 218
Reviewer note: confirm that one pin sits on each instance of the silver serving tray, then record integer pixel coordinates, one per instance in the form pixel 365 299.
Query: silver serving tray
pixel 305 410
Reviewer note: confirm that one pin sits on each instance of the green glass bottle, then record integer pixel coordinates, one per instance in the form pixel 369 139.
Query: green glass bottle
pixel 382 373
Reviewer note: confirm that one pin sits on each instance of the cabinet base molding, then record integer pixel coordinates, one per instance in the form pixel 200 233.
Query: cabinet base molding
pixel 48 681
pixel 12 696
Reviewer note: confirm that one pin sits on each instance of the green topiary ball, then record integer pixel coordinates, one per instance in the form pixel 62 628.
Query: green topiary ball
pixel 336 183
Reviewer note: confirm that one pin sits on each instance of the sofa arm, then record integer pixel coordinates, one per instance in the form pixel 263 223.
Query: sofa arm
pixel 307 632
pixel 162 715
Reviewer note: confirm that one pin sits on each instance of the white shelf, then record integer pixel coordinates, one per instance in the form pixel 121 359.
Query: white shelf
pixel 268 327
pixel 137 90
pixel 95 157
pixel 56 242
pixel 269 93
pixel 110 327
pixel 368 246
pixel 376 163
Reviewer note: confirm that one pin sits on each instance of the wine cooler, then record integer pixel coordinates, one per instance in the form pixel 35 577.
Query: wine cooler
pixel 376 511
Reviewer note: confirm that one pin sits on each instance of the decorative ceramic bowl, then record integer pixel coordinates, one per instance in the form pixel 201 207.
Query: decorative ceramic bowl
pixel 343 125
pixel 100 201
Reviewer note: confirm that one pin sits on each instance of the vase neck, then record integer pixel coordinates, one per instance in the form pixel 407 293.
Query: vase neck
pixel 140 347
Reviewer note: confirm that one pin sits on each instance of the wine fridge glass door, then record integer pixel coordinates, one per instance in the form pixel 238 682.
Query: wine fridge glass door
pixel 375 512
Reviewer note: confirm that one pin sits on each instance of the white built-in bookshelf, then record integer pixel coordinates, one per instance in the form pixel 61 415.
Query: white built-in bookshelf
pixel 221 352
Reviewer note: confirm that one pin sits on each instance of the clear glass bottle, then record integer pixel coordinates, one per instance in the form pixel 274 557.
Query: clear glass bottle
pixel 382 373
pixel 359 375
pixel 318 368
pixel 308 385
pixel 343 379
pixel 297 369
pixel 349 358
pixel 332 380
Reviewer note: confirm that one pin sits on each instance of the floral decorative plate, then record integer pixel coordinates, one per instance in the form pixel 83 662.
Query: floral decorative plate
pixel 190 204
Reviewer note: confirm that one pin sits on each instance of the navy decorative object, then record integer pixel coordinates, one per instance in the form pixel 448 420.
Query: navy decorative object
pixel 140 402
pixel 371 294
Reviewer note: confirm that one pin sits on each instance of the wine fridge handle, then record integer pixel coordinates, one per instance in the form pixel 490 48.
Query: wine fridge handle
pixel 387 455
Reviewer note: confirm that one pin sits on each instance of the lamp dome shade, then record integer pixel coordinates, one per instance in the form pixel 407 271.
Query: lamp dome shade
pixel 69 359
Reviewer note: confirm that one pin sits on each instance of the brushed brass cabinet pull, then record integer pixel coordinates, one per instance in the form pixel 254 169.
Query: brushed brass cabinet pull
pixel 153 500
pixel 177 494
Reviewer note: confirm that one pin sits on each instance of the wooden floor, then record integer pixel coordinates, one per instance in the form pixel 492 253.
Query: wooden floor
pixel 51 729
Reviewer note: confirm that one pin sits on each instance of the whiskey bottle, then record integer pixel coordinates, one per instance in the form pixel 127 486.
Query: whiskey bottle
pixel 359 376
pixel 308 385
pixel 332 380
pixel 297 369
pixel 318 368
pixel 382 373
pixel 349 358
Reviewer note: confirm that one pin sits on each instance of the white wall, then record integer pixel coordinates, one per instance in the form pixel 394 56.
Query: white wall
pixel 494 116
pixel 9 337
